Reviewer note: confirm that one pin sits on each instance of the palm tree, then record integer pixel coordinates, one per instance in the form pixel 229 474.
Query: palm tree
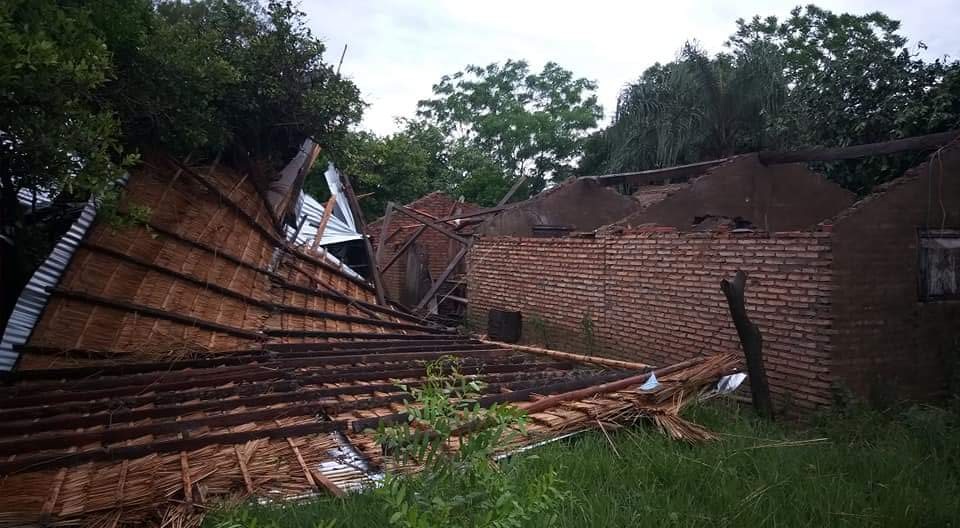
pixel 696 108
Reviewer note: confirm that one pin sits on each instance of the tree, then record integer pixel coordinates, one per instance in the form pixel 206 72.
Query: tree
pixel 692 109
pixel 220 74
pixel 853 80
pixel 54 132
pixel 813 79
pixel 531 125
pixel 84 84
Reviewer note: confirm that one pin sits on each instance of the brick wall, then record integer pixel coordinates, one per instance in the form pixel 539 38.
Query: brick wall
pixel 558 284
pixel 654 296
pixel 437 248
pixel 888 343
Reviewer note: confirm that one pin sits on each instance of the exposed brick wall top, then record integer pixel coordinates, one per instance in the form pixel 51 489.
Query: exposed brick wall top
pixel 653 295
pixel 583 204
pixel 775 197
pixel 888 343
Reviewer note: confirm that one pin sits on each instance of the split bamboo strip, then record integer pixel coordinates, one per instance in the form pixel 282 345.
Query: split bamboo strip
pixel 606 362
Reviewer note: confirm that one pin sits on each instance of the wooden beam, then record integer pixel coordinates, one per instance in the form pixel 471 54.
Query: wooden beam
pixel 240 211
pixel 277 353
pixel 513 189
pixel 358 426
pixel 154 312
pixel 296 232
pixel 327 212
pixel 656 176
pixel 406 245
pixel 328 484
pixel 181 427
pixel 384 227
pixel 362 229
pixel 751 341
pixel 437 284
pixel 328 292
pixel 452 215
pixel 613 363
pixel 300 461
pixel 606 388
pixel 435 225
pixel 187 483
pixel 398 366
pixel 455 261
pixel 65 416
pixel 127 452
pixel 89 378
pixel 275 307
pixel 928 142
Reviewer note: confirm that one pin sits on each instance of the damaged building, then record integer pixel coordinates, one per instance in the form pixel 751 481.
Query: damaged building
pixel 411 255
pixel 850 295
pixel 211 354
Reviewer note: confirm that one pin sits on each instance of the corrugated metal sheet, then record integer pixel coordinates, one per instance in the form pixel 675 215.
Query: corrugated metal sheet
pixel 337 229
pixel 29 198
pixel 33 298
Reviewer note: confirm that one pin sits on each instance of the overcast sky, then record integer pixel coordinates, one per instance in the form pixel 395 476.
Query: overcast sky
pixel 397 49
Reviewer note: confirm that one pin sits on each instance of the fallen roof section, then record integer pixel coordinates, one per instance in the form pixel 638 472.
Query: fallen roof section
pixel 149 443
pixel 207 271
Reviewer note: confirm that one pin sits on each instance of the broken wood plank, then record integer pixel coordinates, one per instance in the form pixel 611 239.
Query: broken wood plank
pixel 187 484
pixel 436 226
pixel 437 284
pixel 327 211
pixel 379 287
pixel 328 484
pixel 247 481
pixel 303 465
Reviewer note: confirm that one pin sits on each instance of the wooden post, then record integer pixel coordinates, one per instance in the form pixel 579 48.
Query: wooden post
pixel 383 232
pixel 437 284
pixel 296 232
pixel 751 341
pixel 362 229
pixel 468 243
pixel 405 211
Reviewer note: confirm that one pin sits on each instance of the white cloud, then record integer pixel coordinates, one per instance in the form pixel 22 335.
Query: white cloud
pixel 397 49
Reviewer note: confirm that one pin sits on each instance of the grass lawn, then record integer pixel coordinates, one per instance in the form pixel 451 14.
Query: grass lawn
pixel 874 469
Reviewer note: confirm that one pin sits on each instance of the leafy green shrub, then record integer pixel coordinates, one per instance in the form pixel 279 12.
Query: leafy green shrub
pixel 453 439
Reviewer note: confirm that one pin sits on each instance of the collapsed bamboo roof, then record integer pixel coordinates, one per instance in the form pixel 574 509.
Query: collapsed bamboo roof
pixel 142 442
pixel 200 358
pixel 208 271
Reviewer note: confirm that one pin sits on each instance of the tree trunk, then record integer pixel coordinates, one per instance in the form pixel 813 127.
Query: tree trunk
pixel 751 342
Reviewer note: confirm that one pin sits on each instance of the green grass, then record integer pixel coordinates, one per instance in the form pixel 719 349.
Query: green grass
pixel 875 469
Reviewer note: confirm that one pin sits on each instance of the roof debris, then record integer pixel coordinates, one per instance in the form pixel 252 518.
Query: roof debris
pixel 201 357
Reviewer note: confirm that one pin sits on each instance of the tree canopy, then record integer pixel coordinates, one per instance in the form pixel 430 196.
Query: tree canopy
pixel 85 82
pixel 86 85
pixel 529 124
pixel 814 78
